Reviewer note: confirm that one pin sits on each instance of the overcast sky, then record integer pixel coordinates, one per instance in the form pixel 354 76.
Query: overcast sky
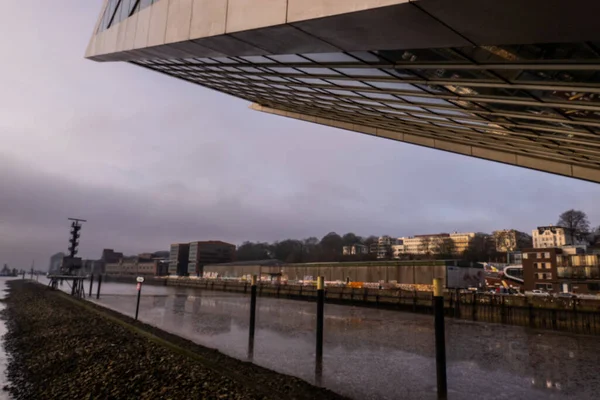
pixel 150 160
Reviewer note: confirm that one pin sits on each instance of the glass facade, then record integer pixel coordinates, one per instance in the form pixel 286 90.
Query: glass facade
pixel 118 10
pixel 539 100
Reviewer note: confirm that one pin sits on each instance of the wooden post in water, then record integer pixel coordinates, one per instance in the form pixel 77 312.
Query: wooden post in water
pixel 99 284
pixel 320 320
pixel 252 318
pixel 91 284
pixel 440 339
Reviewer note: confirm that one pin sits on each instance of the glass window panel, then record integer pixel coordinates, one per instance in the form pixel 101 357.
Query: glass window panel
pixel 433 89
pixel 258 60
pixel 422 55
pixel 341 92
pixel 455 74
pixel 340 82
pixel 530 52
pixel 225 60
pixel 430 116
pixel 395 86
pixel 369 102
pixel 405 107
pixel 361 71
pixel 117 16
pixel 329 57
pixel 303 89
pixel 250 69
pixel 569 96
pixel 276 79
pixel 464 121
pixel 289 59
pixel 284 70
pixel 589 76
pixel 426 100
pixel 400 73
pixel 127 6
pixel 583 114
pixel 313 81
pixel 318 71
pixel 466 104
pixel 450 112
pixel 368 57
pixel 378 95
pixel 451 126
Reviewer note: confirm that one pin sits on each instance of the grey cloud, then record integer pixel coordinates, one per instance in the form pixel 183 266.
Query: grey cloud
pixel 151 160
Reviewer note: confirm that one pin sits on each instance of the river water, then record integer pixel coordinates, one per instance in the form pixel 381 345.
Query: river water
pixel 374 354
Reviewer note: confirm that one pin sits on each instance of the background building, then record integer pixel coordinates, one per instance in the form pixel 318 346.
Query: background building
pixel 178 259
pixel 133 266
pixel 554 236
pixel 511 240
pixel 355 249
pixel 440 243
pixel 384 247
pixel 462 241
pixel 208 252
pixel 551 269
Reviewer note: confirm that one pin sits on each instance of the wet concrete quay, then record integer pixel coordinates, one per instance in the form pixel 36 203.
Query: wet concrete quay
pixel 374 354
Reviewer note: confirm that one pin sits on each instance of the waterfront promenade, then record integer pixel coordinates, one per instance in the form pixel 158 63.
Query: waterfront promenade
pixel 63 348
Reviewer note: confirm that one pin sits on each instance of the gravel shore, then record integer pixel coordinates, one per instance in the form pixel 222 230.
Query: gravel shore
pixel 61 348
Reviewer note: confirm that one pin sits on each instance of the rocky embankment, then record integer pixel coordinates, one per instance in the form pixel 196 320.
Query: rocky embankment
pixel 61 348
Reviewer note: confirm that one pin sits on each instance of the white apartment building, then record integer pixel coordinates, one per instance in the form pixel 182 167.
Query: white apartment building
pixel 462 241
pixel 398 249
pixel 554 236
pixel 429 244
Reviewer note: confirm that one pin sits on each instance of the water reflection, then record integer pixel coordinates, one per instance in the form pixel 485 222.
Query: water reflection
pixel 375 354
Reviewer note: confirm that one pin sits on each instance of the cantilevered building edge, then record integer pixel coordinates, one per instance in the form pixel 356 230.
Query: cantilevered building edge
pixel 510 81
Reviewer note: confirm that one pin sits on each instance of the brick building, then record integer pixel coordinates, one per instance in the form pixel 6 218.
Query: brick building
pixel 551 269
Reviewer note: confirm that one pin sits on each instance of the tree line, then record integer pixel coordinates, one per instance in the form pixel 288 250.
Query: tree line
pixel 330 247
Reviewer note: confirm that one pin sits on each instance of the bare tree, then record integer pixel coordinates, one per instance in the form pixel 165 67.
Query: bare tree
pixel 576 222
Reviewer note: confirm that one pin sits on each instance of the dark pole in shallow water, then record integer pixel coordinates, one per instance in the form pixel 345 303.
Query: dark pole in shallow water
pixel 252 318
pixel 320 317
pixel 99 284
pixel 137 307
pixel 91 284
pixel 440 339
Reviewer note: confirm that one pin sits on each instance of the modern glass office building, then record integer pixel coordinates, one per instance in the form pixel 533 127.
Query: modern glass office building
pixel 511 81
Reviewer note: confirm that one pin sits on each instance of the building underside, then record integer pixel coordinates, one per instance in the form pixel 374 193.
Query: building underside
pixel 508 81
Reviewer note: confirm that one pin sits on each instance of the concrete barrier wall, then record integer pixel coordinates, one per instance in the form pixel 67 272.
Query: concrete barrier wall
pixel 404 273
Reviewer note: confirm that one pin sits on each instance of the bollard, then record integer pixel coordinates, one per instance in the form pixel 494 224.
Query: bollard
pixel 91 284
pixel 99 284
pixel 252 318
pixel 440 339
pixel 320 316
